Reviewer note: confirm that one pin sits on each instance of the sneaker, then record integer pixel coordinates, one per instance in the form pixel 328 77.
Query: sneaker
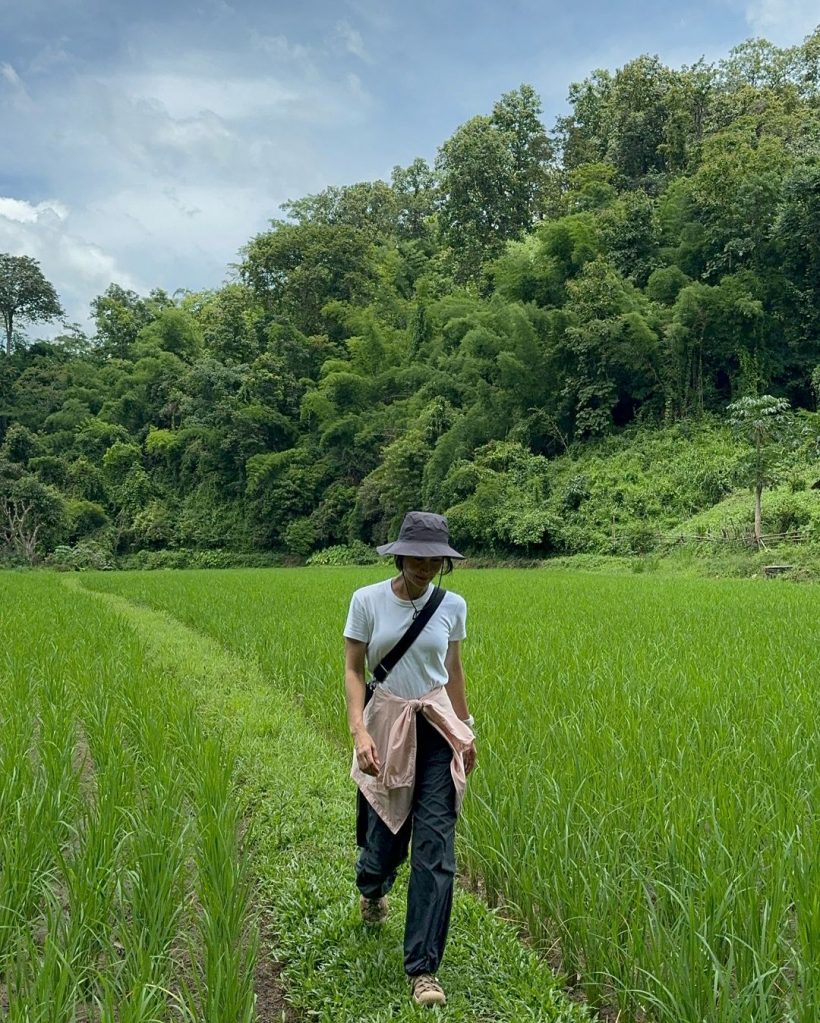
pixel 426 990
pixel 374 911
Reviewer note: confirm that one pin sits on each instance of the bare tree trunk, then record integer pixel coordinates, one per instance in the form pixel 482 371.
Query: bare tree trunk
pixel 700 379
pixel 18 530
pixel 758 516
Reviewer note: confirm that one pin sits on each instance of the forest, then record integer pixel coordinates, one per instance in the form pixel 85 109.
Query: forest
pixel 538 333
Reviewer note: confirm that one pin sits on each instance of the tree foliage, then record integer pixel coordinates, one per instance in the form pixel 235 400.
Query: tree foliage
pixel 25 294
pixel 495 174
pixel 764 423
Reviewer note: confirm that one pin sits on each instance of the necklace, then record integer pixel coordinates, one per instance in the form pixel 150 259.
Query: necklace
pixel 416 610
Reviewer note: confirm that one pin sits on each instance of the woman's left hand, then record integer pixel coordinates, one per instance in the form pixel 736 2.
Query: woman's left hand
pixel 469 759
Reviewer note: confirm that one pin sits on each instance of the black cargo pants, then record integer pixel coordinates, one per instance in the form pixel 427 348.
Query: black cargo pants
pixel 430 829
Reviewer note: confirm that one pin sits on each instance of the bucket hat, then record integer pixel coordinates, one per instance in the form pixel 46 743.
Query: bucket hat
pixel 422 535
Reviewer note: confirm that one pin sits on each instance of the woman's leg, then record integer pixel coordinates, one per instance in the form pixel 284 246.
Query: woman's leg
pixel 432 858
pixel 380 856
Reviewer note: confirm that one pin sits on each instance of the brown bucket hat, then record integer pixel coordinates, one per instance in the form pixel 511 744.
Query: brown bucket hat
pixel 422 535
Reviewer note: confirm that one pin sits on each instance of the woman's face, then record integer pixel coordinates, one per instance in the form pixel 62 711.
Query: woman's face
pixel 421 571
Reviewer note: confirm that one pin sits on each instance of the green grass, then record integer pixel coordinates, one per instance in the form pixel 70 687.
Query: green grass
pixel 295 793
pixel 116 811
pixel 648 784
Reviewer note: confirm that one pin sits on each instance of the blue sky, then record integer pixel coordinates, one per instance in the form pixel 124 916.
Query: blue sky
pixel 146 143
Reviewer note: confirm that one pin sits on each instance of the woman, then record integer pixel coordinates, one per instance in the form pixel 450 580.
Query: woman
pixel 414 744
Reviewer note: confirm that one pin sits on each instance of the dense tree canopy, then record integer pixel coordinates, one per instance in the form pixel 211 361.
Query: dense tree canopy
pixel 453 338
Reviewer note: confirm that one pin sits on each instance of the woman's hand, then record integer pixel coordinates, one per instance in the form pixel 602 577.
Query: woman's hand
pixel 469 759
pixel 367 756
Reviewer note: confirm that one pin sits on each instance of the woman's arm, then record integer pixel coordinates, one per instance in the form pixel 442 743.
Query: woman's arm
pixel 455 675
pixel 457 691
pixel 366 753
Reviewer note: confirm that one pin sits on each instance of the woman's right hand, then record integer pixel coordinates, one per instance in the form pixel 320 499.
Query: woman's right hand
pixel 367 756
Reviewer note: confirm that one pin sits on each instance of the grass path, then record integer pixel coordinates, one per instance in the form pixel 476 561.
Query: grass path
pixel 297 797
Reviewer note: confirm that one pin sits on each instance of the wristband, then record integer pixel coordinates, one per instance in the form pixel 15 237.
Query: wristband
pixel 469 721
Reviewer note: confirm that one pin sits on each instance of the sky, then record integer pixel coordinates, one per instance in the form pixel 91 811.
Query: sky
pixel 146 143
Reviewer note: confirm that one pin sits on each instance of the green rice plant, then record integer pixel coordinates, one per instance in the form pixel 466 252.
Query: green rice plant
pixel 99 816
pixel 24 871
pixel 153 868
pixel 21 853
pixel 56 751
pixel 223 988
pixel 24 852
pixel 152 881
pixel 646 800
pixel 294 785
pixel 44 982
pixel 140 1002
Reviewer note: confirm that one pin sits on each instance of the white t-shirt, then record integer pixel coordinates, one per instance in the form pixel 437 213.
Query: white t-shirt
pixel 379 618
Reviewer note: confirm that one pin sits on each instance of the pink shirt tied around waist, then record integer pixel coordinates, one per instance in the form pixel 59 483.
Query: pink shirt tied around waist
pixel 391 722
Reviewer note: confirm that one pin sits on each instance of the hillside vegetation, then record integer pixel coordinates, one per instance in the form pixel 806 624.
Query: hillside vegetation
pixel 538 334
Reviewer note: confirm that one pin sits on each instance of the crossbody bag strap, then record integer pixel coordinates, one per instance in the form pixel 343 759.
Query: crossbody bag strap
pixel 392 657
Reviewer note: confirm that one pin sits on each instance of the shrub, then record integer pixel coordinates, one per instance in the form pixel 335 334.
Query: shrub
pixel 84 556
pixel 188 558
pixel 84 517
pixel 355 553
pixel 300 536
pixel 636 538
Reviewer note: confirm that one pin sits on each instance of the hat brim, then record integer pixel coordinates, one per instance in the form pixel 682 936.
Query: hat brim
pixel 420 549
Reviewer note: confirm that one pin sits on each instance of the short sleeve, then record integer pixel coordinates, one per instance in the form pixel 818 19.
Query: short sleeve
pixel 459 629
pixel 358 625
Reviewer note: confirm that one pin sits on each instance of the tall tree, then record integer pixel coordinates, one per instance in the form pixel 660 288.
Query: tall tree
pixel 796 234
pixel 764 423
pixel 639 111
pixel 475 167
pixel 517 115
pixel 417 194
pixel 295 270
pixel 25 294
pixel 369 206
pixel 32 514
pixel 583 133
pixel 645 120
pixel 607 357
pixel 120 315
pixel 495 173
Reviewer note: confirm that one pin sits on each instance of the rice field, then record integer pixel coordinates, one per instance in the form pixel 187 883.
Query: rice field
pixel 124 892
pixel 647 801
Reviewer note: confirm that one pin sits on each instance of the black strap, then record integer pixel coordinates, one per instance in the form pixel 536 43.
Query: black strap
pixel 392 657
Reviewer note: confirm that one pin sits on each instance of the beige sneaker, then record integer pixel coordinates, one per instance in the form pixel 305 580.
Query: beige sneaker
pixel 374 911
pixel 426 990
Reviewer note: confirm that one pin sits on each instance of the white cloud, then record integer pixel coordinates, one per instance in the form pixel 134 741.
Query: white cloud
pixel 11 76
pixel 376 14
pixel 49 57
pixel 280 48
pixel 78 269
pixel 167 159
pixel 26 213
pixel 15 87
pixel 188 96
pixel 784 22
pixel 352 41
pixel 200 223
